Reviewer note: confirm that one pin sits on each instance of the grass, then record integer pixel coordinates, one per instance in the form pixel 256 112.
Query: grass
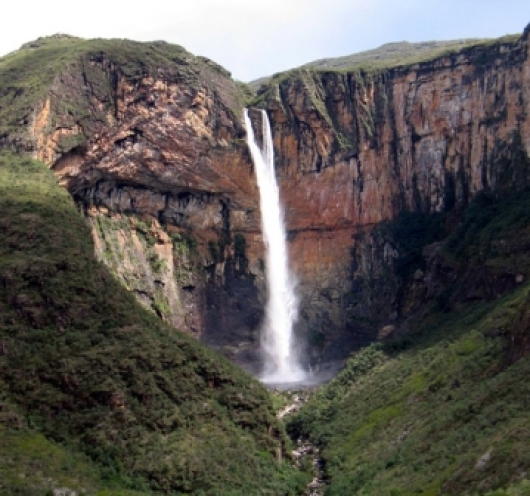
pixel 389 56
pixel 490 228
pixel 443 408
pixel 92 371
pixel 31 464
pixel 370 73
pixel 403 54
pixel 417 421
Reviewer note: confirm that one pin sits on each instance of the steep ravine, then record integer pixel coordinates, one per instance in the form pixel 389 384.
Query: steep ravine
pixel 305 454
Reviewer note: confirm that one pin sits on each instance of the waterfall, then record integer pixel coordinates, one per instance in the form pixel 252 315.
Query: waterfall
pixel 277 341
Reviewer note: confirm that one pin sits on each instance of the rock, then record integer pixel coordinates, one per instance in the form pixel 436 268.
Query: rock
pixel 483 460
pixel 64 491
pixel 386 331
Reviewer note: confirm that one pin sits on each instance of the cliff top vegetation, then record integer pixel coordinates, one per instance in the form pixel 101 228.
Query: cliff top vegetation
pixel 29 74
pixel 389 56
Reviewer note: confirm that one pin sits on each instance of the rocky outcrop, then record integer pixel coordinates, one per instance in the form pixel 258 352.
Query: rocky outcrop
pixel 156 158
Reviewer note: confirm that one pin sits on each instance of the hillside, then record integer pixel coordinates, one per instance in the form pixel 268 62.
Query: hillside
pixel 400 53
pixel 389 55
pixel 148 135
pixel 83 364
pixel 404 175
pixel 441 407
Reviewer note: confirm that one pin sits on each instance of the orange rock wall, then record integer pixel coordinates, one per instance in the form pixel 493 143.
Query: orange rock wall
pixel 355 149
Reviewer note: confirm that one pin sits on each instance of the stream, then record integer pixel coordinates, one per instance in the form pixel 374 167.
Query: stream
pixel 305 452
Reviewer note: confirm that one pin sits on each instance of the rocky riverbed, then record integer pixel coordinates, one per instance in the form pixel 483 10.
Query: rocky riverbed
pixel 305 454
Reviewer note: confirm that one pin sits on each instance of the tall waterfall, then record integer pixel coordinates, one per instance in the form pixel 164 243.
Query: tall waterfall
pixel 281 362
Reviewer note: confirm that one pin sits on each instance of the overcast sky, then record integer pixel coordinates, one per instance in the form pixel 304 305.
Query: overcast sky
pixel 254 38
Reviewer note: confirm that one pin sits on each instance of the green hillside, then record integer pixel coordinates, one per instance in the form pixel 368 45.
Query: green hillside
pixel 82 364
pixel 401 53
pixel 443 407
pixel 388 56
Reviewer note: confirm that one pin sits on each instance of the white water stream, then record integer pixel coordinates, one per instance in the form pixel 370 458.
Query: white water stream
pixel 277 340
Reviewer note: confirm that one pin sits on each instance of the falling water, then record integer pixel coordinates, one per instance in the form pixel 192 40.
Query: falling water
pixel 281 362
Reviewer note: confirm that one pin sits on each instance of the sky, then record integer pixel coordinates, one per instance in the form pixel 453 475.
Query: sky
pixel 254 38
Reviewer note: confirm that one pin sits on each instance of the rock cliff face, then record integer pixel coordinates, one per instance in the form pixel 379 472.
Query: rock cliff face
pixel 156 158
pixel 359 149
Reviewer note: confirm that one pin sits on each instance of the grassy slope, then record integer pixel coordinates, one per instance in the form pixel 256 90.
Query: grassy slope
pixel 444 409
pixel 387 56
pixel 31 464
pixel 401 53
pixel 88 367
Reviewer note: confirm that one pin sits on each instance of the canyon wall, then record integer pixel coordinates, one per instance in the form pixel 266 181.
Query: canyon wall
pixel 157 161
pixel 159 165
pixel 358 150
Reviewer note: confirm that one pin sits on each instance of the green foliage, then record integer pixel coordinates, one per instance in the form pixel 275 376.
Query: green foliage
pixel 157 264
pixel 145 232
pixel 404 53
pixel 95 372
pixel 215 252
pixel 240 245
pixel 520 489
pixel 185 241
pixel 417 415
pixel 420 412
pixel 398 54
pixel 487 221
pixel 31 464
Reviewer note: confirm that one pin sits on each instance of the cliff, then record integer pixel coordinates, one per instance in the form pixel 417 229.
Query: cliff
pixel 358 150
pixel 128 402
pixel 149 141
pixel 405 191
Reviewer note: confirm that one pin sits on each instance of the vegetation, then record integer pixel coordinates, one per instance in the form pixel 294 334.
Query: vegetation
pixel 368 74
pixel 30 464
pixel 442 408
pixel 492 227
pixel 89 369
pixel 389 56
pixel 417 415
pixel 100 396
pixel 28 74
pixel 402 54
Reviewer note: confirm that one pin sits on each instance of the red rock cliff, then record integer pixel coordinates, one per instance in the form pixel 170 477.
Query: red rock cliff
pixel 355 149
